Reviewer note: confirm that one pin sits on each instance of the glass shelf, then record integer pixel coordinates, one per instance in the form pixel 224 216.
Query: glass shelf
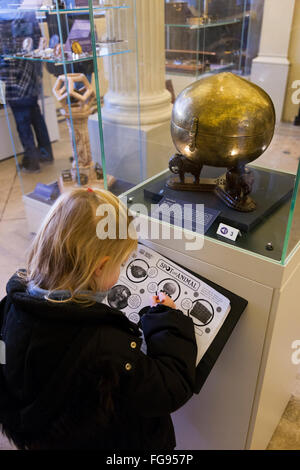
pixel 85 10
pixel 103 53
pixel 206 25
pixel 54 11
pixel 214 69
pixel 218 69
pixel 182 51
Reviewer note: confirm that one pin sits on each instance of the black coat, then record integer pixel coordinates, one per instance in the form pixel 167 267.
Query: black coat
pixel 75 377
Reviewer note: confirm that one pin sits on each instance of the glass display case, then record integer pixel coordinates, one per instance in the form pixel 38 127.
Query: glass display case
pixel 101 118
pixel 211 36
pixel 273 231
pixel 56 66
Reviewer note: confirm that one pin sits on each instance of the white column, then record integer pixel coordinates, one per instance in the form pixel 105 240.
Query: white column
pixel 270 69
pixel 138 84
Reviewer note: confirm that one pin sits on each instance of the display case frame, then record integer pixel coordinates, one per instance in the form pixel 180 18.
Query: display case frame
pixel 274 237
pixel 254 371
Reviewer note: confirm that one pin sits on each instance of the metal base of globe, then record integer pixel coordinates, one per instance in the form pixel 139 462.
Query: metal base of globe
pixel 241 204
pixel 220 188
pixel 189 184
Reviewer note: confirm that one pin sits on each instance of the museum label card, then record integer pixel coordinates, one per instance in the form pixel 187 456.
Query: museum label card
pixel 188 215
pixel 229 232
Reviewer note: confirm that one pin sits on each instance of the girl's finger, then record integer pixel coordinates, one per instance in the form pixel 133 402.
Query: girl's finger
pixel 155 299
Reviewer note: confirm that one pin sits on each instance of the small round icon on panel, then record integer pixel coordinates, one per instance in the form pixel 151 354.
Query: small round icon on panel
pixel 118 297
pixel 152 287
pixel 134 317
pixel 137 271
pixel 152 272
pixel 202 312
pixel 134 301
pixel 186 304
pixel 170 287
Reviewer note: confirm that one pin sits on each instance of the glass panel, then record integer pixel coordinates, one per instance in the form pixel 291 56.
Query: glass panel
pixel 292 239
pixel 251 38
pixel 103 128
pixel 211 36
pixel 58 63
pixel 203 38
pixel 275 222
pixel 40 137
pixel 265 237
pixel 119 91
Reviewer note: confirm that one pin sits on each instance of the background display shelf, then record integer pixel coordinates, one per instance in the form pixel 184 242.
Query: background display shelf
pixel 214 26
pixel 104 53
pixel 211 24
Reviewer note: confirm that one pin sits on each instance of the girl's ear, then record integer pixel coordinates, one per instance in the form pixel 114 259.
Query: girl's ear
pixel 98 270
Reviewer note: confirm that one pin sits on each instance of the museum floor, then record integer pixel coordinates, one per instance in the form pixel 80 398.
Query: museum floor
pixel 283 154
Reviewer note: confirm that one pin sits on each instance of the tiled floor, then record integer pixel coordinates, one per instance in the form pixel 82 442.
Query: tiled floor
pixel 283 154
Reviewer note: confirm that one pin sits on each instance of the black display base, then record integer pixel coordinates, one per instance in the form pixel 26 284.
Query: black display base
pixel 238 306
pixel 270 190
pixel 120 186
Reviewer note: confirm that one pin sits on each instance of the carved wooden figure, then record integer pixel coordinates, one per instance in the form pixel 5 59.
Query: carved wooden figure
pixel 82 105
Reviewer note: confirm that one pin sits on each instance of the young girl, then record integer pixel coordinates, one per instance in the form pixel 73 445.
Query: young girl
pixel 75 376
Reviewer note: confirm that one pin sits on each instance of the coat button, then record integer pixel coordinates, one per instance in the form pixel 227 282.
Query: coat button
pixel 133 344
pixel 128 366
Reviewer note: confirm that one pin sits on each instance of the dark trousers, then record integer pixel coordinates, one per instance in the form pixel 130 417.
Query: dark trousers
pixel 28 117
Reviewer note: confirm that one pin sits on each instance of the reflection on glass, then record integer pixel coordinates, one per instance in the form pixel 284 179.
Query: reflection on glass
pixel 20 31
pixel 209 36
pixel 292 239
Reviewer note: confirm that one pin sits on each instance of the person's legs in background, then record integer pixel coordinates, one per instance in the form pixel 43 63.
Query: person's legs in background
pixel 22 115
pixel 41 132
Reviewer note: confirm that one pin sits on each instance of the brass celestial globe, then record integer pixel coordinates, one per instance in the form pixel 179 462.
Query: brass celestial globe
pixel 223 121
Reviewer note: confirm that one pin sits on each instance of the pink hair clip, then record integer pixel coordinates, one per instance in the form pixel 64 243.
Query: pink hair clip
pixel 90 190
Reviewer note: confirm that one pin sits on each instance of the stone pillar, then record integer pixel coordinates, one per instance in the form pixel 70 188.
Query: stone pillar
pixel 270 69
pixel 138 84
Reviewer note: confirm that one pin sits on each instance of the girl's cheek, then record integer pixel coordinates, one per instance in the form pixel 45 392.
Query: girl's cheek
pixel 117 276
pixel 113 280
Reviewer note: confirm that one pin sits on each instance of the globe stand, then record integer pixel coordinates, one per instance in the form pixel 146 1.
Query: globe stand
pixel 233 188
pixel 205 184
pixel 180 165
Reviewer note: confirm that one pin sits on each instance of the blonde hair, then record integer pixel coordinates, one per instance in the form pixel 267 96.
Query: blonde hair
pixel 66 250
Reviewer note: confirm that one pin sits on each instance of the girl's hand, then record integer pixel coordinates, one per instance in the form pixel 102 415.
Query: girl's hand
pixel 163 299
